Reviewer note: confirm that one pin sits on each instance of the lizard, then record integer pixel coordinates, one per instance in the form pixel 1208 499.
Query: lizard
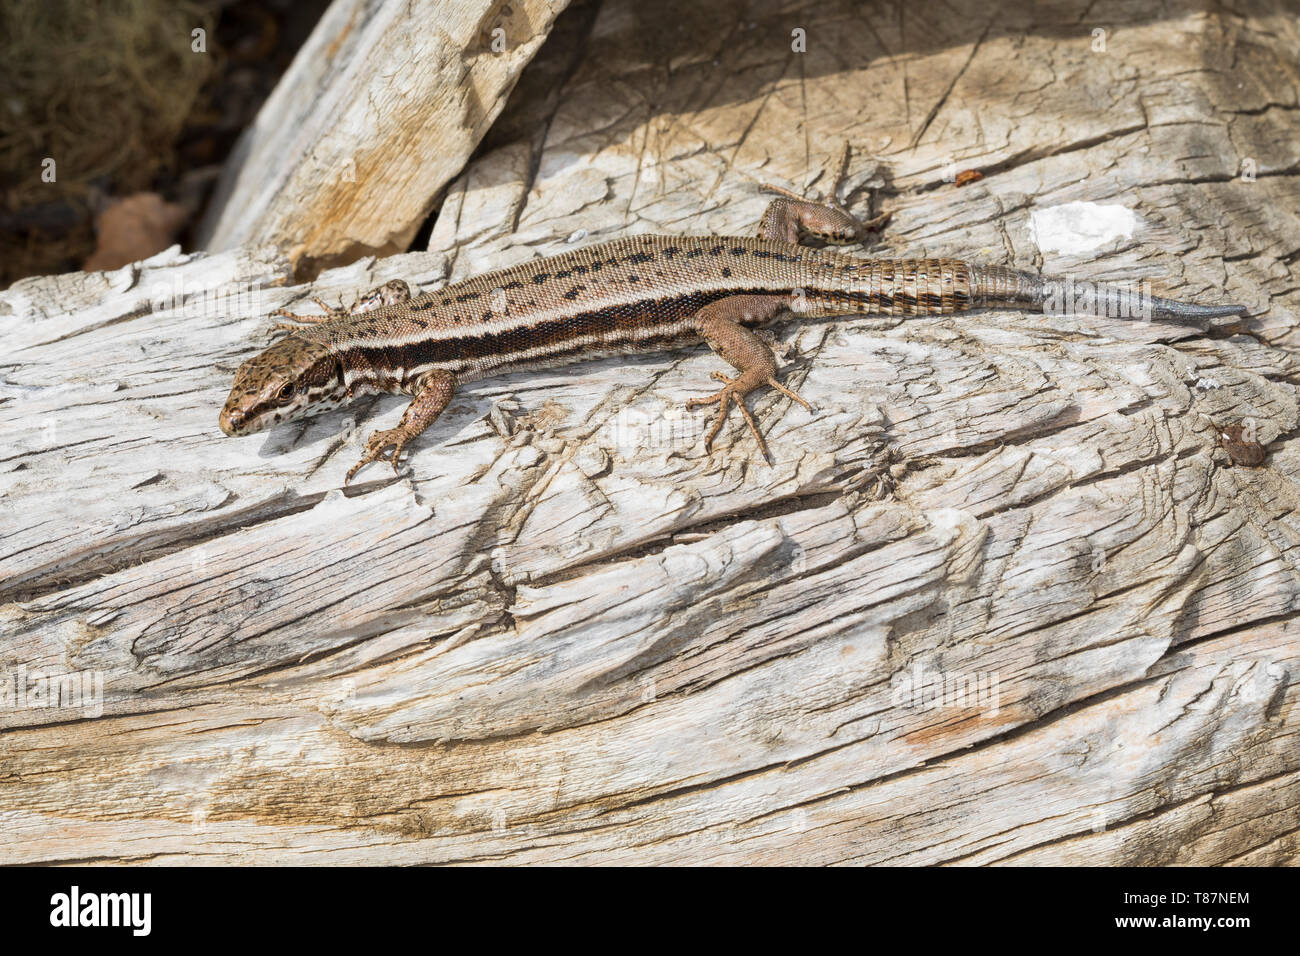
pixel 627 296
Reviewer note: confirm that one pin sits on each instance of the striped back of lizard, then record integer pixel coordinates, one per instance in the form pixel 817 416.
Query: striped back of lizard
pixel 632 295
pixel 639 294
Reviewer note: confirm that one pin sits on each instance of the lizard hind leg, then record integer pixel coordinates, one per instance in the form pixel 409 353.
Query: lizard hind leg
pixel 787 219
pixel 720 325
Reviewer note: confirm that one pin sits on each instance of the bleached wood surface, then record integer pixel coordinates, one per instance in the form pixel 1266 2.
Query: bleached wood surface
pixel 571 636
pixel 380 109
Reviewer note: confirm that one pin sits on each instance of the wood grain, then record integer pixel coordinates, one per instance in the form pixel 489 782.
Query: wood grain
pixel 380 109
pixel 1003 599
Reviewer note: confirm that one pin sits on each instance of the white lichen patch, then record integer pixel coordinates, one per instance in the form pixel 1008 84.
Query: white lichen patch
pixel 1079 227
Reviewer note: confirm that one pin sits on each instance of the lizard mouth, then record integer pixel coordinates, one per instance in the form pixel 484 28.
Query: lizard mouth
pixel 233 422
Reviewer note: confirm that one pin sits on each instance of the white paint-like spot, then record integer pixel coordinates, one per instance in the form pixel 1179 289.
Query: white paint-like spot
pixel 1077 227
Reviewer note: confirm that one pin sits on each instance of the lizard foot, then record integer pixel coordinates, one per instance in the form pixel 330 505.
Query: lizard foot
pixel 376 445
pixel 331 311
pixel 732 393
pixel 297 322
pixel 287 327
pixel 826 218
pixel 723 399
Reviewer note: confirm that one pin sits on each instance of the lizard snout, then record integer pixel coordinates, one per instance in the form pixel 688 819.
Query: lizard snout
pixel 232 421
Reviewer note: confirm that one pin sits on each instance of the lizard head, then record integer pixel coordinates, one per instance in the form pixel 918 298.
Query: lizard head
pixel 292 378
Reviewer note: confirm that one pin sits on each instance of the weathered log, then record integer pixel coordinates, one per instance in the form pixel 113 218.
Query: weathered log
pixel 1003 599
pixel 380 109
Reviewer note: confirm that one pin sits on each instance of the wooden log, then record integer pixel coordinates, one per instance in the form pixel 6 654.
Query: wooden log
pixel 380 109
pixel 1003 599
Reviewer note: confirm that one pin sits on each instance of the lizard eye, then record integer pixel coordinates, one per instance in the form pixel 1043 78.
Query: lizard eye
pixel 285 393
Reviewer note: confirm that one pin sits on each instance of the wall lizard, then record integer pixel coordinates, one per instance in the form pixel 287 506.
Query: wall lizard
pixel 631 295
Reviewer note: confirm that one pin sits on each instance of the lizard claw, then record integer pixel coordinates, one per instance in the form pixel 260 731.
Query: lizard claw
pixel 284 327
pixel 331 311
pixel 788 393
pixel 295 318
pixel 723 398
pixel 296 322
pixel 376 445
pixel 732 393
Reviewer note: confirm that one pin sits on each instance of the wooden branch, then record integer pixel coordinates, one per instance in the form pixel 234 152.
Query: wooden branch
pixel 380 109
pixel 1002 599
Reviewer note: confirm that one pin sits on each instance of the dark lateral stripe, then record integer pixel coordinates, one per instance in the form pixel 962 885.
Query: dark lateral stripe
pixel 576 351
pixel 614 327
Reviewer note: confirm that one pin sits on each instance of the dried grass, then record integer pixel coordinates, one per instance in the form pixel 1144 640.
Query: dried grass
pixel 101 88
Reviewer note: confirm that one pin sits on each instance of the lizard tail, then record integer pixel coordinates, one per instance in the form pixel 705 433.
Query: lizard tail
pixel 999 287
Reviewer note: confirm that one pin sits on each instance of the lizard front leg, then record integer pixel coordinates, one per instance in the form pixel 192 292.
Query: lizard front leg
pixel 393 292
pixel 431 397
pixel 719 324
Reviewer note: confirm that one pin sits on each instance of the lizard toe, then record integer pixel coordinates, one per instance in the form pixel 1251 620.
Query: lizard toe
pixel 376 445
